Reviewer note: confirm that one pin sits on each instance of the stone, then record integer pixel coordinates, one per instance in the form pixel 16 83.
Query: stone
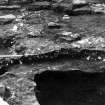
pixel 98 8
pixel 2 89
pixel 9 7
pixel 79 2
pixel 53 25
pixel 10 16
pixel 68 36
pixel 91 43
pixel 66 17
pixel 3 2
pixel 19 1
pixel 82 10
pixel 2 102
pixel 6 19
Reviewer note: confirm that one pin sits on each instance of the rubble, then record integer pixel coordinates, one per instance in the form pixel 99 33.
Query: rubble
pixel 23 84
pixel 6 19
pixel 98 8
pixel 34 46
pixel 2 2
pixel 19 1
pixel 2 102
pixel 90 43
pixel 58 36
pixel 39 6
pixel 10 16
pixel 79 2
pixel 10 7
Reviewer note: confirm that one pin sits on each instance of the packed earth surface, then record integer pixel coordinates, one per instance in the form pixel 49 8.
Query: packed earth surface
pixel 52 52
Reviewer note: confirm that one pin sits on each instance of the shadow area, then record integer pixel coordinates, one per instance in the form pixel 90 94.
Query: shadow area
pixel 70 88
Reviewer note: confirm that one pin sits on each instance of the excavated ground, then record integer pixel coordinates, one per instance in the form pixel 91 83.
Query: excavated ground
pixel 70 88
pixel 52 52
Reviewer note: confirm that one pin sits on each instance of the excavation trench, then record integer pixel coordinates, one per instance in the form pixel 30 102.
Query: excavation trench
pixel 85 60
pixel 70 88
pixel 65 69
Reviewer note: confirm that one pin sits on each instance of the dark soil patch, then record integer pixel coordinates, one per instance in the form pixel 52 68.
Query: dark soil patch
pixel 70 88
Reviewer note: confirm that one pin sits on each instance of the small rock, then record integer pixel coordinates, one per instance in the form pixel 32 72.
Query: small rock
pixel 98 8
pixel 83 10
pixel 79 2
pixel 19 1
pixel 104 60
pixel 69 36
pixel 2 89
pixel 10 16
pixel 9 7
pixel 2 102
pixel 58 1
pixel 99 57
pixel 5 19
pixel 53 25
pixel 65 33
pixel 15 28
pixel 91 43
pixel 66 17
pixel 88 58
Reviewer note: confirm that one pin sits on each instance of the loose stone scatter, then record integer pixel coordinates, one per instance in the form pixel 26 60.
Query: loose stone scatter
pixel 52 52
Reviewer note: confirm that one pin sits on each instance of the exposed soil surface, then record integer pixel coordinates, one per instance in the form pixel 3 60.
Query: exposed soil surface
pixel 52 52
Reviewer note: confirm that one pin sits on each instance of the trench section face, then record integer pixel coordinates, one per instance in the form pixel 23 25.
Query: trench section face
pixel 70 88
